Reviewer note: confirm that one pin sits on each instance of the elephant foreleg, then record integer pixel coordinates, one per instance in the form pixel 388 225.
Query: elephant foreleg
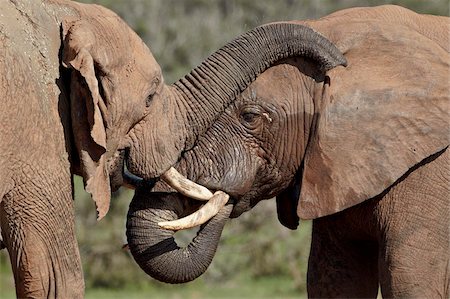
pixel 37 222
pixel 414 218
pixel 341 266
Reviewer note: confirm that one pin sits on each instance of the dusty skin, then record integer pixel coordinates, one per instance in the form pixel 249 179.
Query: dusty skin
pixel 70 89
pixel 82 94
pixel 361 149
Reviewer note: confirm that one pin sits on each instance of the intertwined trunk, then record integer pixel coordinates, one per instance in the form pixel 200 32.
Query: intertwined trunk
pixel 155 250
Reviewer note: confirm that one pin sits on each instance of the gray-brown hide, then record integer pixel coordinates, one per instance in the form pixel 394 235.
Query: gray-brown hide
pixel 362 150
pixel 74 79
pixel 82 94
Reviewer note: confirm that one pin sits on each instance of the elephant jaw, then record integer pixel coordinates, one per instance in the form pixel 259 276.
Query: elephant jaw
pixel 214 202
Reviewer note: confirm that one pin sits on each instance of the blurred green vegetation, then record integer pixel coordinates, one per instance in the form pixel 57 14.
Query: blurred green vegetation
pixel 182 33
pixel 257 257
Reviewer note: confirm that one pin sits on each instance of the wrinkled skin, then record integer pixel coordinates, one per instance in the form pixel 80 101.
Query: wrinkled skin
pixel 85 96
pixel 362 150
pixel 74 80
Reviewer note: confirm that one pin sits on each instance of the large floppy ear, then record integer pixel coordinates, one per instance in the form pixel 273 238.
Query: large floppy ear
pixel 87 109
pixel 376 119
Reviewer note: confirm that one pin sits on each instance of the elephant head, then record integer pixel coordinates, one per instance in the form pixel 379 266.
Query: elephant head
pixel 111 77
pixel 296 133
pixel 180 113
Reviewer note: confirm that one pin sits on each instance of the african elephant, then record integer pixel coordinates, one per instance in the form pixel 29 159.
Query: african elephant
pixel 82 94
pixel 74 80
pixel 362 150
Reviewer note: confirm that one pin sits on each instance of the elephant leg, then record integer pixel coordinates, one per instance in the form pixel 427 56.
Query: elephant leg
pixel 2 244
pixel 341 266
pixel 414 218
pixel 4 188
pixel 37 222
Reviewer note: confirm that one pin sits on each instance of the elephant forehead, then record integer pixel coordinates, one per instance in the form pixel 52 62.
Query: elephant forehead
pixel 143 60
pixel 277 82
pixel 142 65
pixel 118 47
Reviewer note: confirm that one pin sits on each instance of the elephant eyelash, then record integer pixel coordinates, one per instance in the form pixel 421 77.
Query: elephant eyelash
pixel 249 117
pixel 266 115
pixel 149 100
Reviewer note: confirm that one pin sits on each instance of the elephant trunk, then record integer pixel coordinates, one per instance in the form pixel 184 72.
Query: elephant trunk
pixel 154 248
pixel 213 85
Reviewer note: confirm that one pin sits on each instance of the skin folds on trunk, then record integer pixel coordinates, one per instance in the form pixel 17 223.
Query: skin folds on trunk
pixel 155 250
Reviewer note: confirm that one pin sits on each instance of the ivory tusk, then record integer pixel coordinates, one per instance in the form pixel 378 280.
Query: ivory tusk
pixel 186 187
pixel 209 210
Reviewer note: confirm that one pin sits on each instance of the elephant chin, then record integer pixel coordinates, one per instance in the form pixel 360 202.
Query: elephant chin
pixel 154 248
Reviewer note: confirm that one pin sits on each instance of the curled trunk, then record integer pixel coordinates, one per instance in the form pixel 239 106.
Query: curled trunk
pixel 154 248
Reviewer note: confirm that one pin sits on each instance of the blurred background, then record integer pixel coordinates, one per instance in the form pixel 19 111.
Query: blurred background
pixel 257 256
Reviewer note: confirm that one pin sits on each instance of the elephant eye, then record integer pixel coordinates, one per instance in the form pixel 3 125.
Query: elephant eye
pixel 250 117
pixel 155 83
pixel 148 100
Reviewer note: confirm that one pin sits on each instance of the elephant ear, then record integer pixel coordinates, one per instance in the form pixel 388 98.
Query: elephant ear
pixel 287 201
pixel 87 109
pixel 374 123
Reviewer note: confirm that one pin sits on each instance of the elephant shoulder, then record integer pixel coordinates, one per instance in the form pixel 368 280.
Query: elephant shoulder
pixel 384 113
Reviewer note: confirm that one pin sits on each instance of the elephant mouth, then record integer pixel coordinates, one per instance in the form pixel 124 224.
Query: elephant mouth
pixel 214 202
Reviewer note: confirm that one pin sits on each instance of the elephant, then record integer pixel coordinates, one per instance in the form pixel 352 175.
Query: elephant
pixel 74 81
pixel 361 150
pixel 82 94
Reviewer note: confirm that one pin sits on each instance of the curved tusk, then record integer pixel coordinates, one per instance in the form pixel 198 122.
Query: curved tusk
pixel 186 187
pixel 209 210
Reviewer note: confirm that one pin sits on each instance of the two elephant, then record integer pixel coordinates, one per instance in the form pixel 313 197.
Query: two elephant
pixel 82 94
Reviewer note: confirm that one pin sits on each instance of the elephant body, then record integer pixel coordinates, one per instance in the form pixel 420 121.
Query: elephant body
pixel 398 240
pixel 361 149
pixel 53 124
pixel 39 234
